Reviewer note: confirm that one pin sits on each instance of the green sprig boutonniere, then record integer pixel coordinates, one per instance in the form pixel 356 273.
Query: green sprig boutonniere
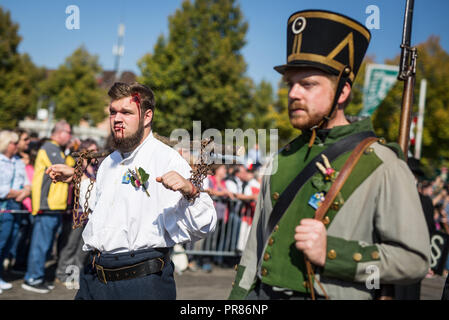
pixel 139 178
pixel 328 176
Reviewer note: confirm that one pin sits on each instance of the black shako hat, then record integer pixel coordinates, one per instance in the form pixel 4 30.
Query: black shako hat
pixel 325 40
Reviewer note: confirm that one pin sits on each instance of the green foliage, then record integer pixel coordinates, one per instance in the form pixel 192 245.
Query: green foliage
pixel 75 90
pixel 198 72
pixel 18 76
pixel 279 115
pixel 258 115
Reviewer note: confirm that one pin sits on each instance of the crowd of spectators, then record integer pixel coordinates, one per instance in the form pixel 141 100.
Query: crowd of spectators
pixel 434 195
pixel 35 214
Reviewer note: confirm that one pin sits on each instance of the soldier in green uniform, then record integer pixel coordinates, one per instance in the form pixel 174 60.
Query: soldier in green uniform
pixel 374 233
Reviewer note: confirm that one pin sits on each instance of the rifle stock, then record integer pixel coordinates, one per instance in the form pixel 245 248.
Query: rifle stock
pixel 407 71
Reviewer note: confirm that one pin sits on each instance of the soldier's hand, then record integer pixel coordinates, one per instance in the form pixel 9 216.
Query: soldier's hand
pixel 174 181
pixel 311 239
pixel 60 173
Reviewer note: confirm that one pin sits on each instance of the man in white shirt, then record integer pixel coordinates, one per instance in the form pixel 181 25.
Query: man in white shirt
pixel 136 219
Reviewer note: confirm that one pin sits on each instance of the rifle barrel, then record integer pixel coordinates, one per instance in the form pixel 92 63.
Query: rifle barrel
pixel 404 69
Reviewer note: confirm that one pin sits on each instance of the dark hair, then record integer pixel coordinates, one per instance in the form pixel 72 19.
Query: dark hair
pixel 215 168
pixel 121 90
pixel 33 149
pixel 20 132
pixel 87 143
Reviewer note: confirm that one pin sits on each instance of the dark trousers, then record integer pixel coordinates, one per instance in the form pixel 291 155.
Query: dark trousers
pixel 408 292
pixel 155 286
pixel 21 243
pixel 71 252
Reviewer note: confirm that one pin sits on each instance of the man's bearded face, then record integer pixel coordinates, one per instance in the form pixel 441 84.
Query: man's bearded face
pixel 310 96
pixel 127 124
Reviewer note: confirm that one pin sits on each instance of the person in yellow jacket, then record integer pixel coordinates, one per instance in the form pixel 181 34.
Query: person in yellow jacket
pixel 46 197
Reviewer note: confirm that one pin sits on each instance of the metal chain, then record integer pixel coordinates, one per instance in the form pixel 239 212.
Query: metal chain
pixel 200 171
pixel 79 170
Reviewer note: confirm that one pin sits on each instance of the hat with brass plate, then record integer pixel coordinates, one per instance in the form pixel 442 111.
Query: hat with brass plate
pixel 325 40
pixel 330 42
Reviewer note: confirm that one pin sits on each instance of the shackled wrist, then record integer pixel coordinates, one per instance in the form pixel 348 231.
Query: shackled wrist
pixel 193 194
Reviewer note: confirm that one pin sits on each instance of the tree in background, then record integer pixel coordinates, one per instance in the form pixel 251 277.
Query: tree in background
pixel 258 115
pixel 280 118
pixel 18 76
pixel 198 71
pixel 74 89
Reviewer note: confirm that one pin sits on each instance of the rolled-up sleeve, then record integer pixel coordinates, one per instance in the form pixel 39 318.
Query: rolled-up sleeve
pixel 191 222
pixel 186 221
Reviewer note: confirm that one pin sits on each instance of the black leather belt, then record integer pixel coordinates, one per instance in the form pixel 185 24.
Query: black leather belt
pixel 129 272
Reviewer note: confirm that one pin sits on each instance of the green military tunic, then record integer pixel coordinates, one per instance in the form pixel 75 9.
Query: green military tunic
pixel 375 228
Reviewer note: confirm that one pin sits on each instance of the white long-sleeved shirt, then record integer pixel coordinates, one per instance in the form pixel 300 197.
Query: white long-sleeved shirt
pixel 124 218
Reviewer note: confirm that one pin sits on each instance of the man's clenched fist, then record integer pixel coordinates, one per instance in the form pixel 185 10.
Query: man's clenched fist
pixel 311 238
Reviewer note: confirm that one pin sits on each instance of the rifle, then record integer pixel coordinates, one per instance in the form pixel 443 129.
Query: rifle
pixel 407 72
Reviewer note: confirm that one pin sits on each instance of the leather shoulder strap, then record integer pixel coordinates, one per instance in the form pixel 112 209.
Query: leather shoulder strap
pixel 343 176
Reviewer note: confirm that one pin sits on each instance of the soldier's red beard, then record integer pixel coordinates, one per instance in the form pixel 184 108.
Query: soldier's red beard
pixel 301 117
pixel 127 144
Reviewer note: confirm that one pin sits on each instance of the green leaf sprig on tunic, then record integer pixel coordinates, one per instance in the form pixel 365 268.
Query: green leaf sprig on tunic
pixel 139 179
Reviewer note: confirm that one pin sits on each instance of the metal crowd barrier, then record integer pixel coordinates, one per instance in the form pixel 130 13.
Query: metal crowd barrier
pixel 223 241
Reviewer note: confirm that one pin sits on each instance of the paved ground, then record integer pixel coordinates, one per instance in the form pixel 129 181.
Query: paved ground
pixel 198 285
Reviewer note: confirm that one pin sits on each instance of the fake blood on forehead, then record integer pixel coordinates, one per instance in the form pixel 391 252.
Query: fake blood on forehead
pixel 135 97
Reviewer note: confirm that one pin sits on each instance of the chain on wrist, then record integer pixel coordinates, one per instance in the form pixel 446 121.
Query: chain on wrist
pixel 194 194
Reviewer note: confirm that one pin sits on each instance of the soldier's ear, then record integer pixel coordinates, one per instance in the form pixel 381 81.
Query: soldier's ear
pixel 345 95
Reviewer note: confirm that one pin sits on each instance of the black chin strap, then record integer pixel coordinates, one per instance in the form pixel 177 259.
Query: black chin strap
pixel 342 79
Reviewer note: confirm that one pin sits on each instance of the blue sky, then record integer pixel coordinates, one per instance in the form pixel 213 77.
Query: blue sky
pixel 47 40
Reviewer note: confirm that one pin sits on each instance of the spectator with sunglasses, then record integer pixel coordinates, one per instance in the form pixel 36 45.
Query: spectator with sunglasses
pixel 14 188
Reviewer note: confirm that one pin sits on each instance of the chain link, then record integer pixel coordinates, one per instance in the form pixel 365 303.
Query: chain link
pixel 200 171
pixel 79 170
